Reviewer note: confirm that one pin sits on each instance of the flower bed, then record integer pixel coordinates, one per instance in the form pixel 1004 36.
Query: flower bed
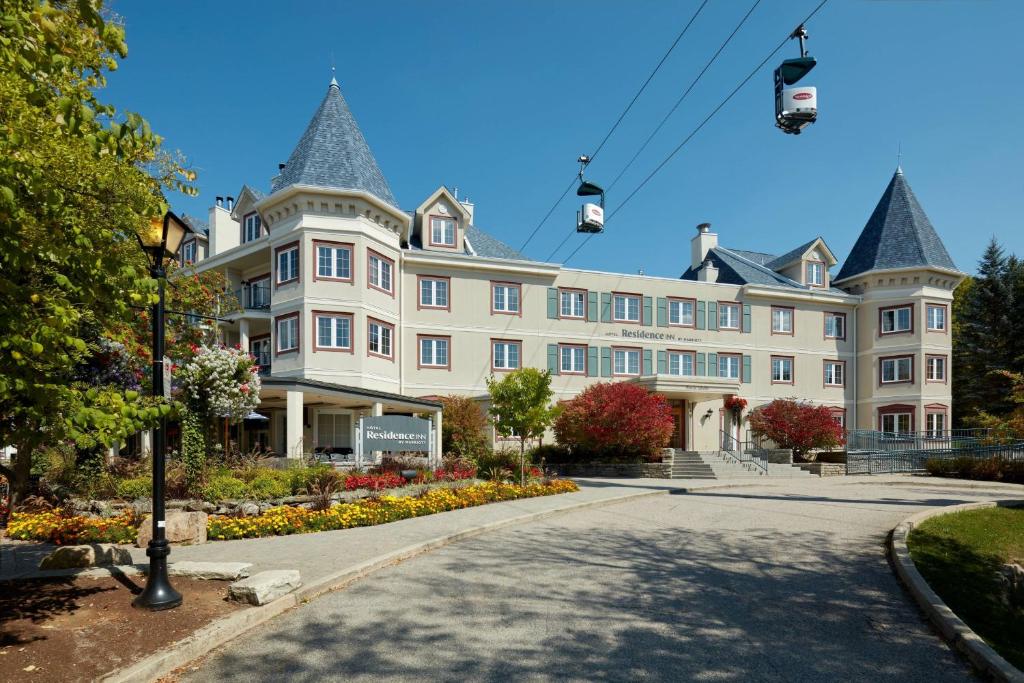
pixel 56 526
pixel 280 521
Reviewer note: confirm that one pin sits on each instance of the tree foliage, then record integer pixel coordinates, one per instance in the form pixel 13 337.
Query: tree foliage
pixel 797 425
pixel 77 178
pixel 521 407
pixel 464 427
pixel 615 419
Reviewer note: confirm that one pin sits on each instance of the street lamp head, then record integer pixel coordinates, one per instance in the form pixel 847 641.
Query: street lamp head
pixel 163 236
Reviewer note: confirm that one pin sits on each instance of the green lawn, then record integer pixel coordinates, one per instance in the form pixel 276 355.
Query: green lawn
pixel 959 554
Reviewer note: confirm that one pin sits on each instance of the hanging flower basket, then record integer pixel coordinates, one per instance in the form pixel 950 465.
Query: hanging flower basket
pixel 736 404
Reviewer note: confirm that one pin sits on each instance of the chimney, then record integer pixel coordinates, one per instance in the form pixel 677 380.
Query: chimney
pixel 231 203
pixel 280 167
pixel 701 244
pixel 220 201
pixel 224 231
pixel 708 272
pixel 468 206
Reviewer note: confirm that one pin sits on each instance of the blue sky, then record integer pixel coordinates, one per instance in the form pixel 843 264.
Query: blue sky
pixel 499 99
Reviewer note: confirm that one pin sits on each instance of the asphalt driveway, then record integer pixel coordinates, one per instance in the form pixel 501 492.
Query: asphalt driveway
pixel 781 582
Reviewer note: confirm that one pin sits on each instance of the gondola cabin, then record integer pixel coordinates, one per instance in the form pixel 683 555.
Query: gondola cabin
pixel 590 219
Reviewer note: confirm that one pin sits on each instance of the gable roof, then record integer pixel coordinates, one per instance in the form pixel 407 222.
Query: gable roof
pixel 897 235
pixel 333 153
pixel 736 269
pixel 480 243
pixel 795 254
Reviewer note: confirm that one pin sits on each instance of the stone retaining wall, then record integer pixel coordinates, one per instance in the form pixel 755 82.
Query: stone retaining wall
pixel 615 470
pixel 823 469
pixel 779 456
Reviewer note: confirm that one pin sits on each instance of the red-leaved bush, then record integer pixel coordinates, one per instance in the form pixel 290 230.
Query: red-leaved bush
pixel 374 482
pixel 796 425
pixel 614 420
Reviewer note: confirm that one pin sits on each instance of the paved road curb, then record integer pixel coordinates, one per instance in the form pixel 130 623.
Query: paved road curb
pixel 214 635
pixel 953 629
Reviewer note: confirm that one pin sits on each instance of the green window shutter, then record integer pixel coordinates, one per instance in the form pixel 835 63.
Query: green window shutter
pixel 648 362
pixel 700 363
pixel 700 319
pixel 712 365
pixel 746 317
pixel 712 315
pixel 648 318
pixel 592 360
pixel 552 302
pixel 606 307
pixel 746 370
pixel 606 361
pixel 662 362
pixel 662 312
pixel 592 306
pixel 553 359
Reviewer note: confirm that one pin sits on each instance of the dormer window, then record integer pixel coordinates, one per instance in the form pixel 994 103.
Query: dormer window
pixel 188 253
pixel 815 273
pixel 251 227
pixel 442 231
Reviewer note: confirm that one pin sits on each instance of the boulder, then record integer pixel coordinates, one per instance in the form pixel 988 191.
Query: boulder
pixel 200 506
pixel 264 587
pixel 1011 584
pixel 187 528
pixel 248 509
pixel 142 506
pixel 218 571
pixel 94 555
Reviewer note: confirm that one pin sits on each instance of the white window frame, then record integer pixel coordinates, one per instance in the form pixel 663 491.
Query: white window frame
pixel 815 273
pixel 577 359
pixel 292 334
pixel 933 429
pixel 190 246
pixel 333 267
pixel 893 315
pixel 381 273
pixel 838 320
pixel 895 417
pixel 939 361
pixel 336 338
pixel 725 365
pixel 435 345
pixel 439 231
pixel 780 317
pixel 679 359
pixel 572 303
pixel 628 301
pixel 780 366
pixel 382 336
pixel 436 284
pixel 252 228
pixel 505 357
pixel 510 299
pixel 627 356
pixel 941 310
pixel 896 362
pixel 289 258
pixel 678 315
pixel 728 316
pixel 838 372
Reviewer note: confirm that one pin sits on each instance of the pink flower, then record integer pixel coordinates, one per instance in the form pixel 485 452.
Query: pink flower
pixel 245 388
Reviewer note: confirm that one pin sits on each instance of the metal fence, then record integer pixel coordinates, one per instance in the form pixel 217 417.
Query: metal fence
pixel 910 461
pixel 875 441
pixel 746 453
pixel 254 296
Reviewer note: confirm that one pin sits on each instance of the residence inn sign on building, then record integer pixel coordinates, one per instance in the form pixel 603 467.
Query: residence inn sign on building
pixel 356 307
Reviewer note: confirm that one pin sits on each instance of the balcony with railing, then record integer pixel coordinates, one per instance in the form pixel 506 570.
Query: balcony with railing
pixel 263 361
pixel 255 296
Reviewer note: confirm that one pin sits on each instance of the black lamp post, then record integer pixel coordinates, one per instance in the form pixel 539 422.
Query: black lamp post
pixel 162 239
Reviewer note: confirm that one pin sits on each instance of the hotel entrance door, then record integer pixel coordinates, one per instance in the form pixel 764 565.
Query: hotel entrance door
pixel 679 422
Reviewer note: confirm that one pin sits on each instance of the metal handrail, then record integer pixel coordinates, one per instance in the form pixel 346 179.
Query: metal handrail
pixel 743 452
pixel 254 296
pixel 889 462
pixel 877 441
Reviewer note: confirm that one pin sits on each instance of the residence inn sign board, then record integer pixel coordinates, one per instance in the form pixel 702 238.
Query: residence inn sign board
pixel 395 433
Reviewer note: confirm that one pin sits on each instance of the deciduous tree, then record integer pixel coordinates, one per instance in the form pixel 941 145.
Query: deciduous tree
pixel 615 419
pixel 797 425
pixel 521 407
pixel 463 427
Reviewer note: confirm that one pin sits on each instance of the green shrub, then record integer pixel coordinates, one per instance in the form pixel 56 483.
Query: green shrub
pixel 981 469
pixel 551 454
pixel 501 458
pixel 301 477
pixel 136 487
pixel 270 485
pixel 223 487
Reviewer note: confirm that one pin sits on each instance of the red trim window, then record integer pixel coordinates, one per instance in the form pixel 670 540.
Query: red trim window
pixel 333 261
pixel 839 416
pixel 896 370
pixel 433 292
pixel 625 361
pixel 682 312
pixel 286 259
pixel 814 273
pixel 252 227
pixel 380 272
pixel 506 354
pixel 434 352
pixel 728 315
pixel 935 368
pixel 442 232
pixel 681 363
pixel 936 420
pixel 835 325
pixel 782 369
pixel 332 331
pixel 259 348
pixel 286 333
pixel 835 373
pixel 896 419
pixel 896 319
pixel 935 317
pixel 572 303
pixel 506 298
pixel 188 252
pixel 572 359
pixel 627 308
pixel 380 339
pixel 730 366
pixel 782 320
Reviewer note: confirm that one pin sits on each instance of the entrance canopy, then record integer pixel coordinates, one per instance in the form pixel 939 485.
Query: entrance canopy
pixel 691 387
pixel 275 390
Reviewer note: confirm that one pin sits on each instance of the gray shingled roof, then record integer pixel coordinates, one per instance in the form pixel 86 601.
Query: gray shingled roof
pixel 333 153
pixel 484 245
pixel 898 235
pixel 758 257
pixel 197 225
pixel 734 268
pixel 790 256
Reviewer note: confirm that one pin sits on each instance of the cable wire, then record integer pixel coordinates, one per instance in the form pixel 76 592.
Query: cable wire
pixel 619 120
pixel 695 130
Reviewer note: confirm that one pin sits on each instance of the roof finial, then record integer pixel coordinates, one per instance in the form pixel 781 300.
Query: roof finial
pixel 899 158
pixel 334 79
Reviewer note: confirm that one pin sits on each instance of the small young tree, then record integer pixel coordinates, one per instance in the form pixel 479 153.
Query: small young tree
pixel 521 407
pixel 796 425
pixel 463 427
pixel 615 419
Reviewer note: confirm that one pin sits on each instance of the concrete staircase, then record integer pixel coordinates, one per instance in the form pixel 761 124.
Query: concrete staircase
pixel 722 465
